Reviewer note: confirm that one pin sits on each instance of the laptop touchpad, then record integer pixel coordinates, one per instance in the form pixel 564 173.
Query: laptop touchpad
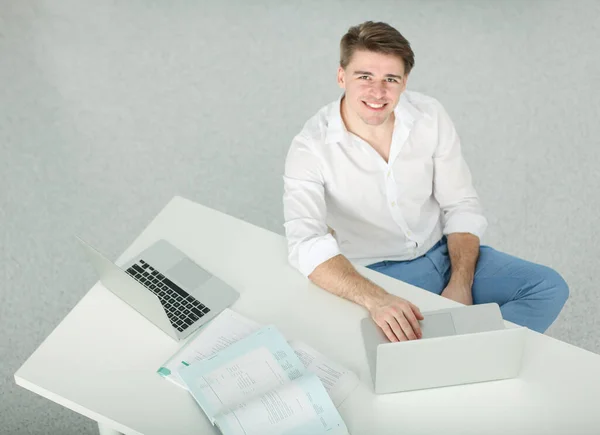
pixel 188 274
pixel 437 325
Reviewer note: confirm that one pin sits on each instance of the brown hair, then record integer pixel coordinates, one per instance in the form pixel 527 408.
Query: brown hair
pixel 378 37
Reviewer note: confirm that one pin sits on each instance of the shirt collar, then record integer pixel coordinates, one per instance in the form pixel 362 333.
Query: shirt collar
pixel 405 113
pixel 336 130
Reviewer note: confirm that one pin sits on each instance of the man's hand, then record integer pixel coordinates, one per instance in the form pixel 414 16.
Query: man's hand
pixel 397 317
pixel 459 292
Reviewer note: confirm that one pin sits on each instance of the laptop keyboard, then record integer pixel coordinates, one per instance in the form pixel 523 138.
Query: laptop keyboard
pixel 181 308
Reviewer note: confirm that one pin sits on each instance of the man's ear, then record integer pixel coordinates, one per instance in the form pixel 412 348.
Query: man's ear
pixel 404 80
pixel 341 78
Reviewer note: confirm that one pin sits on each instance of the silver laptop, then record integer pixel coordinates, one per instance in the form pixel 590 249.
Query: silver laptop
pixel 459 346
pixel 165 286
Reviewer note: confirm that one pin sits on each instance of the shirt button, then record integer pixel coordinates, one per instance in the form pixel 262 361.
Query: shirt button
pixel 393 203
pixel 409 234
pixel 389 173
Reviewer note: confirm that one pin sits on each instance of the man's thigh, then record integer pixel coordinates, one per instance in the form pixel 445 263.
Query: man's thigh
pixel 500 277
pixel 421 272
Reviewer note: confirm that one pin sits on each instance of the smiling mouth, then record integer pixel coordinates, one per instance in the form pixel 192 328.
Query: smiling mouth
pixel 375 107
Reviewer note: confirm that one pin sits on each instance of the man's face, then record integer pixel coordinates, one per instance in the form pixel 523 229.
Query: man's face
pixel 372 79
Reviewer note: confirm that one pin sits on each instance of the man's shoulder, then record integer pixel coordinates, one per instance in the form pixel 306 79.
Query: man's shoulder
pixel 424 103
pixel 314 130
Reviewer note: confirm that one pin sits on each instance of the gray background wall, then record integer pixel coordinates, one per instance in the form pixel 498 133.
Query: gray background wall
pixel 108 109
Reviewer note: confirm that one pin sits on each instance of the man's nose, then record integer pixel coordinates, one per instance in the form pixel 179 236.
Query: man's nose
pixel 378 90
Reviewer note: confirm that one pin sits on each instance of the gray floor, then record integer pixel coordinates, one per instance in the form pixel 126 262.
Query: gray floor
pixel 108 109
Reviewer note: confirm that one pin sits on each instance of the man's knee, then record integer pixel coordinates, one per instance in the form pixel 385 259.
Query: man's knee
pixel 556 284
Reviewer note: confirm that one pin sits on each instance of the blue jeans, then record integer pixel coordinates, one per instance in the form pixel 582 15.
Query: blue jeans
pixel 529 294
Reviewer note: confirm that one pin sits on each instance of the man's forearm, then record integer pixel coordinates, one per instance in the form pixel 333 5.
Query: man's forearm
pixel 464 252
pixel 338 276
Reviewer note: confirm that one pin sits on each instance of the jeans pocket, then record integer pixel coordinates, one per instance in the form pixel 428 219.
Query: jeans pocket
pixel 440 260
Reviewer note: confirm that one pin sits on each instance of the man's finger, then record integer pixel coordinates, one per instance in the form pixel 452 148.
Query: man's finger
pixel 406 326
pixel 397 328
pixel 388 331
pixel 414 323
pixel 417 312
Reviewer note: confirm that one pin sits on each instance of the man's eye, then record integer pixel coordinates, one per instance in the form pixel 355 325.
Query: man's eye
pixel 363 77
pixel 394 80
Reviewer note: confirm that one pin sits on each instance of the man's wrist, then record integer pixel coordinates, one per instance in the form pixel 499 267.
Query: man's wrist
pixel 461 279
pixel 373 296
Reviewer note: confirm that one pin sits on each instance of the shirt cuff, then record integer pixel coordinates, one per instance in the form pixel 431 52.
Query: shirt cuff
pixel 315 251
pixel 466 223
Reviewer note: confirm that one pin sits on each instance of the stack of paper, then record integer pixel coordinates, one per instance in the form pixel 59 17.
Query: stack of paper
pixel 249 380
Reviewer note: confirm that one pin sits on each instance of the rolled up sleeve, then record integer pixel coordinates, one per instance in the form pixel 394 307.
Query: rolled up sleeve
pixel 453 188
pixel 305 210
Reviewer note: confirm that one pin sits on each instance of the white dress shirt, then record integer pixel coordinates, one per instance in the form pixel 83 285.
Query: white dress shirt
pixel 378 211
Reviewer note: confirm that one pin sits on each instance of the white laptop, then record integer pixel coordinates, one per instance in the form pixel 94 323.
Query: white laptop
pixel 459 346
pixel 166 287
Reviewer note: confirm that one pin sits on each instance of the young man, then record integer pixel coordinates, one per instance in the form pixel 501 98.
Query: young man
pixel 378 177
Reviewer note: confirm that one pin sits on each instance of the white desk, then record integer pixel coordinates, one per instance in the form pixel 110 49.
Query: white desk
pixel 101 360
